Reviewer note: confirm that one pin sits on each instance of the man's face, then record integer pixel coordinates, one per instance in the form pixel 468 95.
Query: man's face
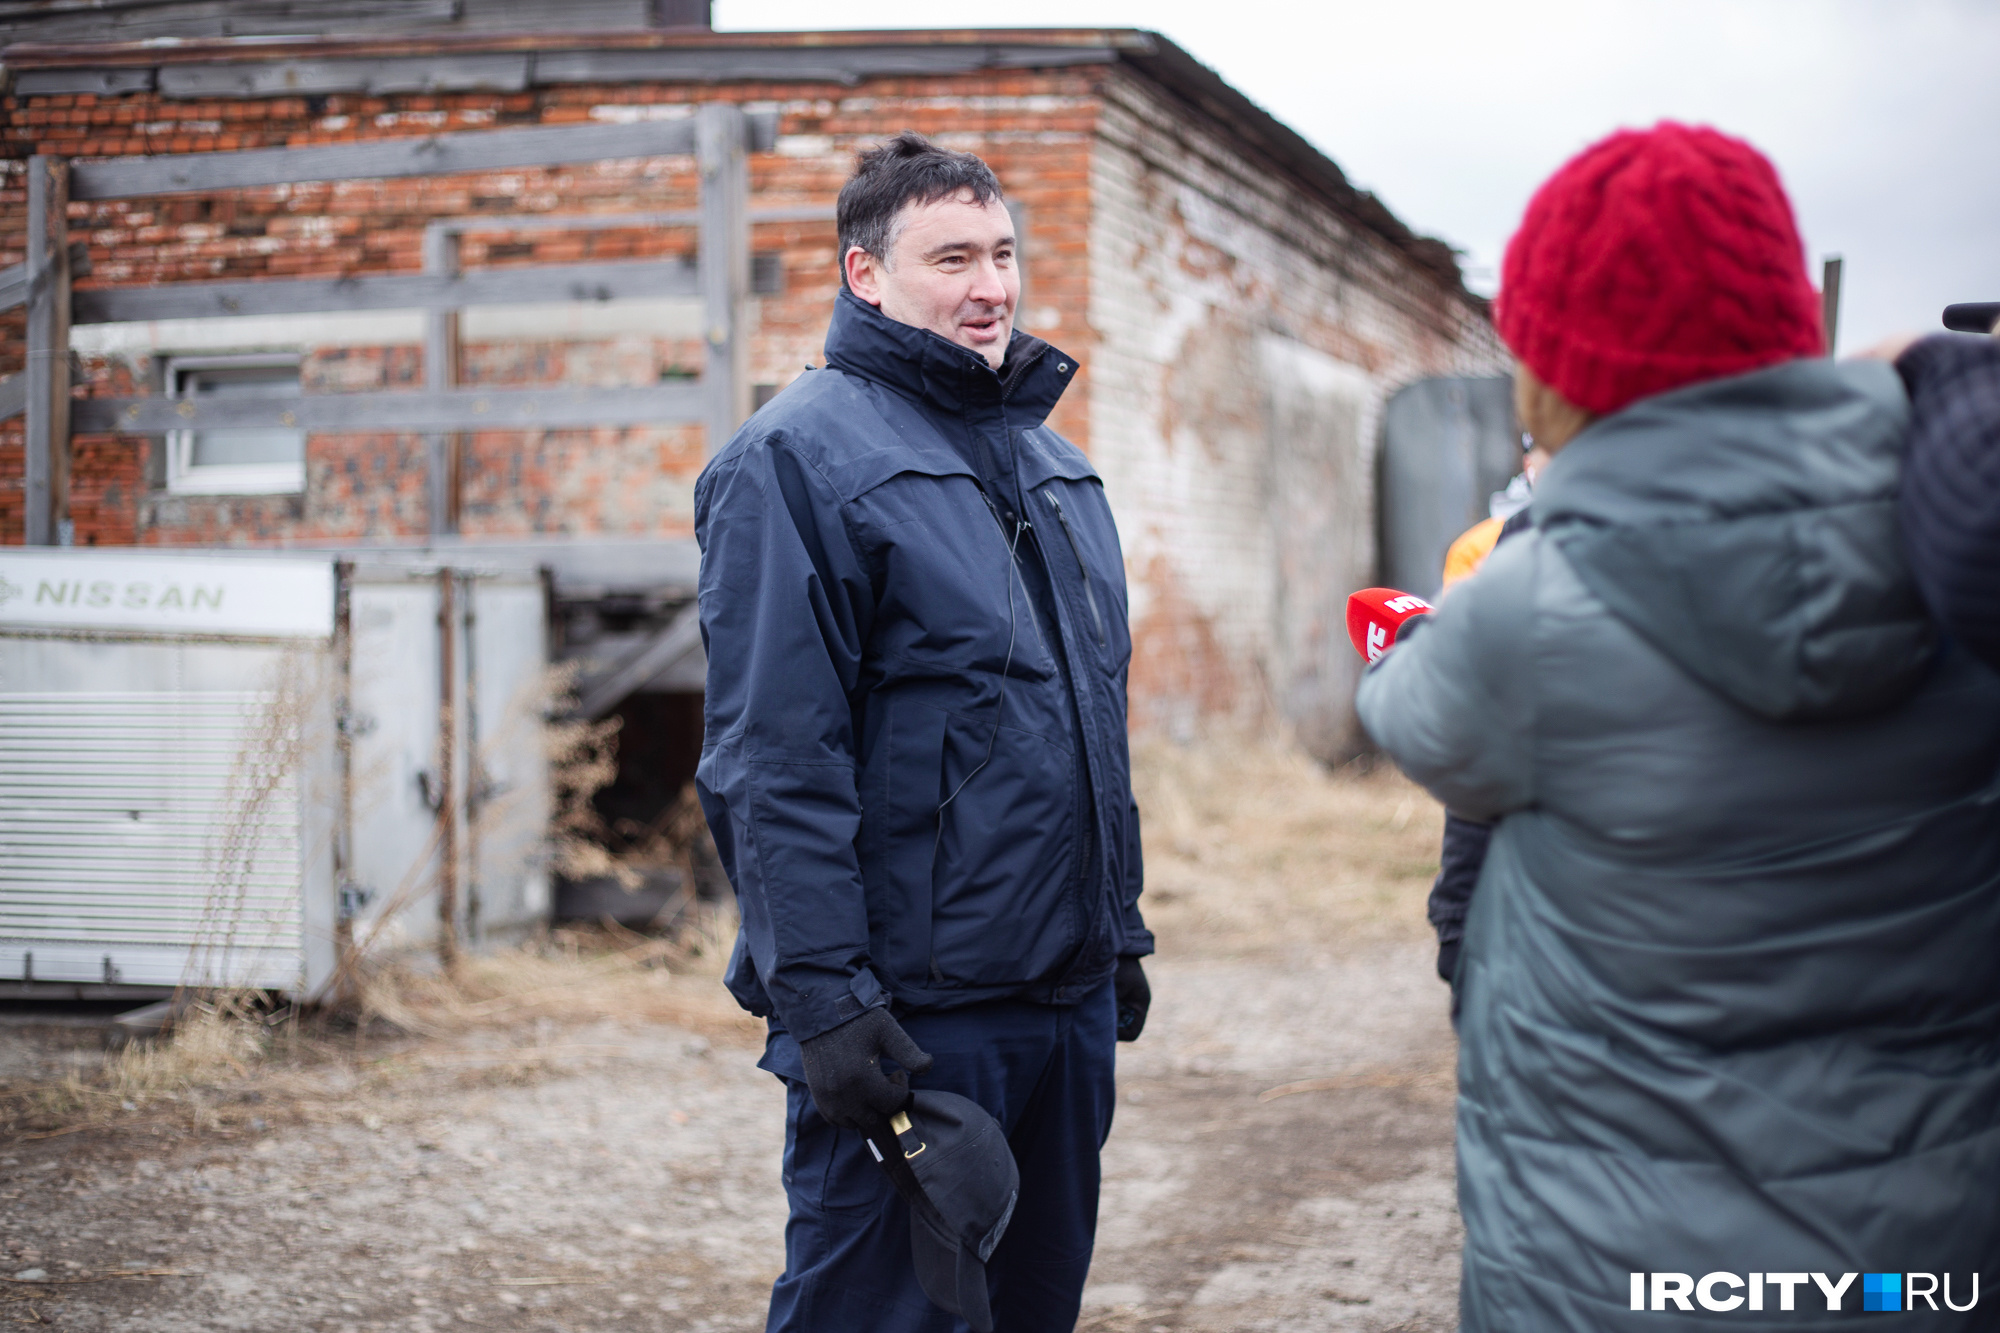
pixel 951 270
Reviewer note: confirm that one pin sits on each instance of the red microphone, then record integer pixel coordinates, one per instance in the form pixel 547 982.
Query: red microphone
pixel 1375 616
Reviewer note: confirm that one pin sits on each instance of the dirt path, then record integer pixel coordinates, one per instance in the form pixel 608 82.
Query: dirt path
pixel 1281 1159
pixel 1302 1180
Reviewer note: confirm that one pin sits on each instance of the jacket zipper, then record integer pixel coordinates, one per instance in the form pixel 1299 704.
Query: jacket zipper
pixel 1019 372
pixel 1097 619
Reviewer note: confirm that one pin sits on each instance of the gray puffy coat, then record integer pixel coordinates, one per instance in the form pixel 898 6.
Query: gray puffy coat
pixel 1731 979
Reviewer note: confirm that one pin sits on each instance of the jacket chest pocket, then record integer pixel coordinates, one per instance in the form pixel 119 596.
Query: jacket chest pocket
pixel 968 849
pixel 1088 539
pixel 953 604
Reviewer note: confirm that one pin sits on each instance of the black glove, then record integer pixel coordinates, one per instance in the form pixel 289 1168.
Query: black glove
pixel 1135 997
pixel 844 1070
pixel 1448 961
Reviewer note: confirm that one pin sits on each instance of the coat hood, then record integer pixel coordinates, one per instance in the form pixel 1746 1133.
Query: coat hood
pixel 1746 527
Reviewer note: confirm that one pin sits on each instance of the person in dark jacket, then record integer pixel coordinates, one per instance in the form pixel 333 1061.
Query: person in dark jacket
pixel 1728 1002
pixel 1951 485
pixel 914 760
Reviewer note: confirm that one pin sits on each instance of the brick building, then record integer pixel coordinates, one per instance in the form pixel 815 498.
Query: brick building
pixel 1240 310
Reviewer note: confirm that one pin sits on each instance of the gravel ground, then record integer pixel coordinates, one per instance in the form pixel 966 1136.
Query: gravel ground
pixel 1281 1158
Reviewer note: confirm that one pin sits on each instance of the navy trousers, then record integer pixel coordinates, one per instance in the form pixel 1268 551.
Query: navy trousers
pixel 1045 1072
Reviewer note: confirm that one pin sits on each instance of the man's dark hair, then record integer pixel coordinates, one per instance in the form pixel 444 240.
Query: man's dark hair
pixel 908 169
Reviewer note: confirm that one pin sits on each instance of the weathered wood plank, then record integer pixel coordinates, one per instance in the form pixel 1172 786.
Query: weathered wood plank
pixel 623 280
pixel 13 285
pixel 447 410
pixel 680 636
pixel 725 267
pixel 441 328
pixel 544 15
pixel 795 213
pixel 507 222
pixel 305 78
pixel 213 18
pixel 1018 212
pixel 47 373
pixel 503 222
pixel 692 14
pixel 103 82
pixel 440 154
pixel 845 65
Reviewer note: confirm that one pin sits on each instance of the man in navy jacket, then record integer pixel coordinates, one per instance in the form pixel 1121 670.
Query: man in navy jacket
pixel 915 761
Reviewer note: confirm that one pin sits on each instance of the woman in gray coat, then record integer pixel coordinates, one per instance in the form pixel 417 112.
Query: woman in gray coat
pixel 1731 979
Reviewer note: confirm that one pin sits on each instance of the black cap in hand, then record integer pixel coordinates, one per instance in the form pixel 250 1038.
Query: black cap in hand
pixel 950 1161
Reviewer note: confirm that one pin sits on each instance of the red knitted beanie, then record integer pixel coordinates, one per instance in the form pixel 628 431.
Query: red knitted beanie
pixel 1653 259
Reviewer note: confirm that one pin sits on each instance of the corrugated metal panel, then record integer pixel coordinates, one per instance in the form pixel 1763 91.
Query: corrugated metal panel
pixel 148 835
pixel 1447 445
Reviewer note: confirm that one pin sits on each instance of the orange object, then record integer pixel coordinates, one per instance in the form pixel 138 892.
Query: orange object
pixel 1469 552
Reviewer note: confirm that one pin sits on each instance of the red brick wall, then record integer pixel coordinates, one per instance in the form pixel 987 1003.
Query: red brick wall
pixel 1033 127
pixel 1238 339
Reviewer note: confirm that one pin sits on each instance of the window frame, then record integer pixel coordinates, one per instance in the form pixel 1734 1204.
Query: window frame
pixel 184 478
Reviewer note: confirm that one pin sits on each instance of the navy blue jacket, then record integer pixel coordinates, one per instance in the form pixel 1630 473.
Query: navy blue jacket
pixel 1951 485
pixel 914 760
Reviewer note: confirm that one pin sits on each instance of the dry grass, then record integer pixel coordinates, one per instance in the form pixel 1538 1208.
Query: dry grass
pixel 1253 847
pixel 213 1040
pixel 583 760
pixel 226 1061
pixel 575 975
pixel 217 1041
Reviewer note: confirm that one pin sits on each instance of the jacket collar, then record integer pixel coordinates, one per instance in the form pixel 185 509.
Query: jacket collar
pixel 863 341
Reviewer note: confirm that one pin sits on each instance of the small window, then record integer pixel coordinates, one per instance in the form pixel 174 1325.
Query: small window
pixel 259 460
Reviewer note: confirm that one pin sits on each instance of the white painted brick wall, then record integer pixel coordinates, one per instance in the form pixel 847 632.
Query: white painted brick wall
pixel 1212 280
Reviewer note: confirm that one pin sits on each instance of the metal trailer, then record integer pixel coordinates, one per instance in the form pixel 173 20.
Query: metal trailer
pixel 240 770
pixel 1447 445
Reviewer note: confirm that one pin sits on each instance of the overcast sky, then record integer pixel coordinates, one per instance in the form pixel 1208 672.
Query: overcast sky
pixel 1883 118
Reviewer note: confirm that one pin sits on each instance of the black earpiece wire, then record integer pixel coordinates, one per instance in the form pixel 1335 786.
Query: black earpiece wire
pixel 1000 705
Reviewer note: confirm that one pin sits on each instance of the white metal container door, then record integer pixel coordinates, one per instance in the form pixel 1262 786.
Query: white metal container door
pixel 150 838
pixel 393 692
pixel 508 791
